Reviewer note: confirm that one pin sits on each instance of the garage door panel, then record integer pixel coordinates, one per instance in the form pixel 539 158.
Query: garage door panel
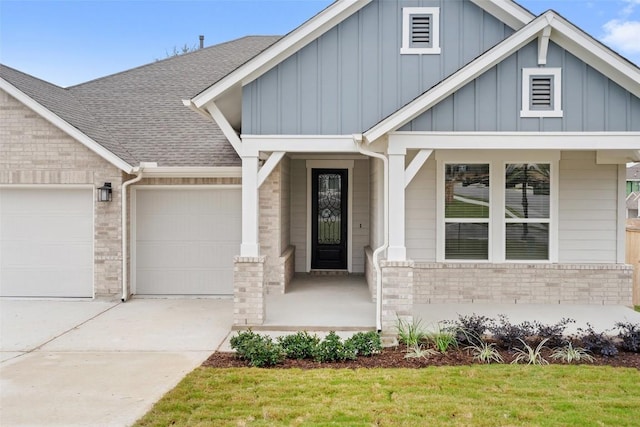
pixel 187 281
pixel 24 254
pixel 186 240
pixel 46 242
pixel 46 228
pixel 45 281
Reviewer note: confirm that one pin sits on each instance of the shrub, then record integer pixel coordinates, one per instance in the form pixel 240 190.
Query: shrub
pixel 443 338
pixel 530 355
pixel 485 352
pixel 365 343
pixel 332 349
pixel 470 329
pixel 630 336
pixel 300 345
pixel 597 342
pixel 258 350
pixel 410 334
pixel 554 333
pixel 508 335
pixel 418 351
pixel 569 354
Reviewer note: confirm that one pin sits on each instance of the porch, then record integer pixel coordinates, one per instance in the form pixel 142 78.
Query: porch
pixel 321 303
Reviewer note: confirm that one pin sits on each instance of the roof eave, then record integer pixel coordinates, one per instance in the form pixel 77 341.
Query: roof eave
pixel 506 11
pixel 65 126
pixel 282 49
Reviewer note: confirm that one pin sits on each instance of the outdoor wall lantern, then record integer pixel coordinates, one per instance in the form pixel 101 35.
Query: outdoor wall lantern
pixel 104 192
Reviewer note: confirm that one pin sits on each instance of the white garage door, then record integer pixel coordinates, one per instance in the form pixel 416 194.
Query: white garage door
pixel 46 242
pixel 185 240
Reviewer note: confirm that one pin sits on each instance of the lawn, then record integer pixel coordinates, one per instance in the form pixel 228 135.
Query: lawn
pixel 497 395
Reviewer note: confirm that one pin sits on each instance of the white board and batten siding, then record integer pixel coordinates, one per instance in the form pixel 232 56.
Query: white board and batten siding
pixel 420 206
pixel 46 241
pixel 185 239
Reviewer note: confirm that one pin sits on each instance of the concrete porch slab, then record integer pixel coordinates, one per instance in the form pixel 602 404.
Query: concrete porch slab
pixel 601 317
pixel 317 302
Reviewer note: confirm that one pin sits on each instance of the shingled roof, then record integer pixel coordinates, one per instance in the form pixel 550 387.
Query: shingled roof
pixel 633 172
pixel 138 114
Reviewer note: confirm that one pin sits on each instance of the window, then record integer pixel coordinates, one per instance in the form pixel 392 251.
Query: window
pixel 420 30
pixel 527 211
pixel 467 203
pixel 493 209
pixel 541 92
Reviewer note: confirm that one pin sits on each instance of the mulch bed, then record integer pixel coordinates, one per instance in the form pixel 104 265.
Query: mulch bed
pixel 394 357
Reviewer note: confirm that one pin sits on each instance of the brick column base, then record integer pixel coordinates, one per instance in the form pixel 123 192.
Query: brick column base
pixel 397 297
pixel 248 291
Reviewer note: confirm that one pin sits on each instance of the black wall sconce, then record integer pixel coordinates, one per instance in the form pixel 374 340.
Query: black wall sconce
pixel 105 192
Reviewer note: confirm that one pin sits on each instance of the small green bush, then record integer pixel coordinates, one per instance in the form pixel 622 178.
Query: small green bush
pixel 332 349
pixel 301 345
pixel 410 334
pixel 258 350
pixel 444 338
pixel 365 343
pixel 569 354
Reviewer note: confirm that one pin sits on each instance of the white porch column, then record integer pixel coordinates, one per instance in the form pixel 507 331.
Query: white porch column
pixel 250 209
pixel 397 250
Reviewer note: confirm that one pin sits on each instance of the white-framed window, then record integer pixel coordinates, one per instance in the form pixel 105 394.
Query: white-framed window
pixel 541 92
pixel 500 209
pixel 467 202
pixel 420 30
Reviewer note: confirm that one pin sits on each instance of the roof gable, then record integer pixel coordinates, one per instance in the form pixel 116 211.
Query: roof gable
pixel 563 33
pixel 64 111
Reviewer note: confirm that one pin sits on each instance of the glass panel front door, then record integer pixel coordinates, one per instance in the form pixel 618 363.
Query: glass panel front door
pixel 329 219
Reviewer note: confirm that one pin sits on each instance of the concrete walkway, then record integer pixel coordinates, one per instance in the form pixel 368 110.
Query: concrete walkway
pixel 72 363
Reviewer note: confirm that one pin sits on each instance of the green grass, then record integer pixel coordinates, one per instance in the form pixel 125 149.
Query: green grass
pixel 496 395
pixel 458 209
pixel 636 308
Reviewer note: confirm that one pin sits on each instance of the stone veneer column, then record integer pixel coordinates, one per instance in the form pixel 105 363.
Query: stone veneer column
pixel 397 297
pixel 249 291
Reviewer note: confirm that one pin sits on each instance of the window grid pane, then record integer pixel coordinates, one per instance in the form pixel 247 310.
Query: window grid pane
pixel 527 211
pixel 467 207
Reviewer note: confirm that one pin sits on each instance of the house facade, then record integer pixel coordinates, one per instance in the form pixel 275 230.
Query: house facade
pixel 449 151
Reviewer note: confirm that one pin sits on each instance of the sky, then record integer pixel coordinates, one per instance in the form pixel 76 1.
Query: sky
pixel 67 42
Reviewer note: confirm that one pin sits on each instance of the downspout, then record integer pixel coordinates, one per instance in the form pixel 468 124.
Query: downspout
pixel 123 219
pixel 376 264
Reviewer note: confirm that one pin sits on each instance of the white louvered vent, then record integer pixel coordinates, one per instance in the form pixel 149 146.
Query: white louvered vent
pixel 421 30
pixel 541 92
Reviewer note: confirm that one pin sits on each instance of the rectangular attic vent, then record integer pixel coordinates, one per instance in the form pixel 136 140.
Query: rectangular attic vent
pixel 421 30
pixel 541 93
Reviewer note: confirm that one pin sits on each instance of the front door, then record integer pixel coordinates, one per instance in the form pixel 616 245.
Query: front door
pixel 329 219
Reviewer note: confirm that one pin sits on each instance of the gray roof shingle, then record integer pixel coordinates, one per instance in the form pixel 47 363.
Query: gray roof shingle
pixel 633 172
pixel 138 114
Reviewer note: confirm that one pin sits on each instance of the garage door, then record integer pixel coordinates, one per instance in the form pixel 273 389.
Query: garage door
pixel 46 242
pixel 185 240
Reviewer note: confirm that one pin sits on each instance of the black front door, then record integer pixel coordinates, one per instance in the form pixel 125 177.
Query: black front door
pixel 329 219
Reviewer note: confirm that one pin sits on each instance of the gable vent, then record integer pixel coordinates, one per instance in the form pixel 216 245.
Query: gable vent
pixel 541 87
pixel 421 29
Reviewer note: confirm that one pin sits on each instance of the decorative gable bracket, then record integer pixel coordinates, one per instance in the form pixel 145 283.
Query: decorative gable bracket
pixel 543 45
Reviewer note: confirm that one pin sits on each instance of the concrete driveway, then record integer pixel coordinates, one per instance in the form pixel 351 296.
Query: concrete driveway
pixel 95 363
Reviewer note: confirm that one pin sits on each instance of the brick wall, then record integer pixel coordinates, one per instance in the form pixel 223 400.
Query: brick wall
pixel 248 291
pixel 607 284
pixel 36 152
pixel 397 297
